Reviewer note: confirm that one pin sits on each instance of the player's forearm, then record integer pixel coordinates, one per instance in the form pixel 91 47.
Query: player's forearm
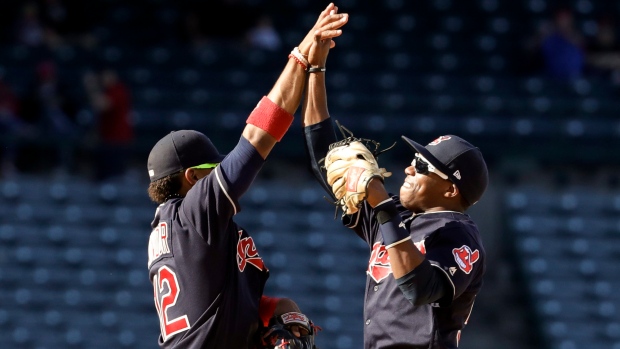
pixel 314 108
pixel 273 115
pixel 404 256
pixel 288 89
pixel 416 278
pixel 317 139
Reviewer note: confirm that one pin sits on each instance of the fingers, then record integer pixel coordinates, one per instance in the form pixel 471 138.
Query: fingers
pixel 330 9
pixel 328 23
pixel 330 28
pixel 295 331
pixel 333 22
pixel 328 34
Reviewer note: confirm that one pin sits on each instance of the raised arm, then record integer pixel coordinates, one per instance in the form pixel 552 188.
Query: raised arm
pixel 274 113
pixel 318 129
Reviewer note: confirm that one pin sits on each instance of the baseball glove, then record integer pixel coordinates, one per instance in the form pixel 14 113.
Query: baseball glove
pixel 279 334
pixel 350 166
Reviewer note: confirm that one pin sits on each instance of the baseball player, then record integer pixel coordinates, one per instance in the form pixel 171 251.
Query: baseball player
pixel 207 273
pixel 427 260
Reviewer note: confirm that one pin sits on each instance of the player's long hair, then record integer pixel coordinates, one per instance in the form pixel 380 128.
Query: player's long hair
pixel 163 189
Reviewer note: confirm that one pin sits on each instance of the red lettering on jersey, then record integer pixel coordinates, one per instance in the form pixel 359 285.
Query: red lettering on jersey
pixel 379 264
pixel 163 235
pixel 439 140
pixel 465 258
pixel 247 253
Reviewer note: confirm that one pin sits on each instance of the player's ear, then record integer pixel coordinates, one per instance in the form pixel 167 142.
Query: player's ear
pixel 452 191
pixel 190 176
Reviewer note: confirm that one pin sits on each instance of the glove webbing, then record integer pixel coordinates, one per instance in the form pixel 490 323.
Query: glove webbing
pixel 348 139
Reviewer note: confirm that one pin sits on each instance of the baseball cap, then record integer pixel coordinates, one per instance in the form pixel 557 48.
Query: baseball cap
pixel 461 161
pixel 179 150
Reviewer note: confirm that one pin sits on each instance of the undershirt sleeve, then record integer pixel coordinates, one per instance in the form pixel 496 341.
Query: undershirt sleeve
pixel 424 285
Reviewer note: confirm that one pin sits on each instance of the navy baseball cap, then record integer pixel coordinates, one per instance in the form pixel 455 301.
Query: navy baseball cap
pixel 460 161
pixel 179 150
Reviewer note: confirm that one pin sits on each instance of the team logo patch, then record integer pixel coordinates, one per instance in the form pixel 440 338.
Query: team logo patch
pixel 465 258
pixel 379 264
pixel 439 140
pixel 353 176
pixel 248 254
pixel 294 317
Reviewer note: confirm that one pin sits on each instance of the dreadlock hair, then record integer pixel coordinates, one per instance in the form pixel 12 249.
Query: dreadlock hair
pixel 165 188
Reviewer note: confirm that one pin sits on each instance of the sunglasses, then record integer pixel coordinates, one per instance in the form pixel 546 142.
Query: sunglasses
pixel 422 166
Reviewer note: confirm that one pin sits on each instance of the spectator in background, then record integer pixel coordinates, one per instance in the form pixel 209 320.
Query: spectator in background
pixel 603 50
pixel 201 21
pixel 111 101
pixel 556 50
pixel 192 31
pixel 68 22
pixel 29 30
pixel 264 35
pixel 50 111
pixel 563 48
pixel 10 128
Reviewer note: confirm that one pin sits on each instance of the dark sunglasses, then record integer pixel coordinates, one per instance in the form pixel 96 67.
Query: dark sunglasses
pixel 422 166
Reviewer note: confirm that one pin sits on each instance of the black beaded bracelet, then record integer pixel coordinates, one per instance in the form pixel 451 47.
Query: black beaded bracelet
pixel 316 69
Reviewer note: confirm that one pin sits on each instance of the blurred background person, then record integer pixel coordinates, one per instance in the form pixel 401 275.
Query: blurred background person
pixel 10 128
pixel 563 47
pixel 603 50
pixel 264 35
pixel 69 22
pixel 110 100
pixel 49 110
pixel 29 29
pixel 556 50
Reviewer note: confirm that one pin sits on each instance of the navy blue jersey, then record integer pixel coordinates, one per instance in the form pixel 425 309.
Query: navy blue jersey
pixel 207 274
pixel 451 243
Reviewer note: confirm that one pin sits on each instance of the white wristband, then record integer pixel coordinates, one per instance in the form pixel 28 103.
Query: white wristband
pixel 300 56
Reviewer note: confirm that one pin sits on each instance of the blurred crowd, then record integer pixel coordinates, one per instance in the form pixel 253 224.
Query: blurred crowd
pixel 49 121
pixel 562 50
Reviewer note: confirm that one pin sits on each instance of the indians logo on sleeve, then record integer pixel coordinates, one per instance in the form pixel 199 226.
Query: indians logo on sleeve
pixel 248 254
pixel 465 258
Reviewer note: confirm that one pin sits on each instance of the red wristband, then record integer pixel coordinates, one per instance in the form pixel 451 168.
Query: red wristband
pixel 266 308
pixel 271 118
